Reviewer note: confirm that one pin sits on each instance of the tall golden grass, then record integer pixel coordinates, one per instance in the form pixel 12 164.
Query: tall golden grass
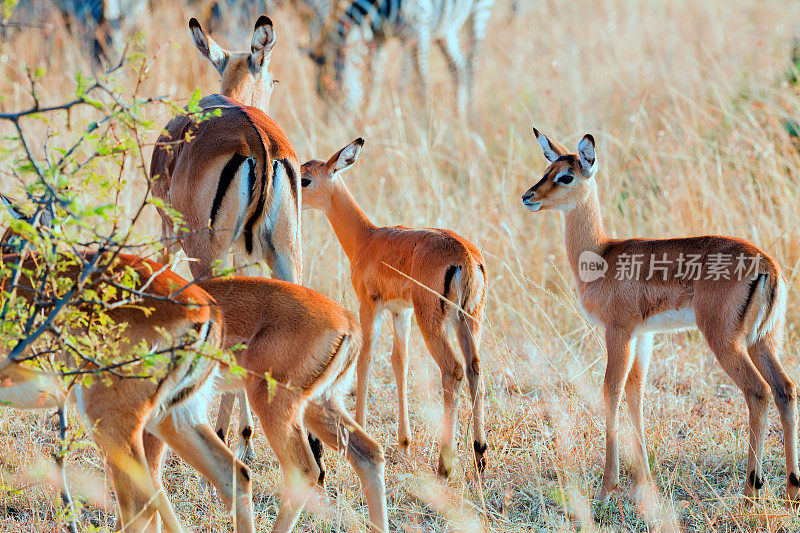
pixel 687 101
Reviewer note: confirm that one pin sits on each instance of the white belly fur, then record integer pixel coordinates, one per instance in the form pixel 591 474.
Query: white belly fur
pixel 672 320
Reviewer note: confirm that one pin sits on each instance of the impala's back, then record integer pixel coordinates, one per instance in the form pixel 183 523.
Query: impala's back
pixel 236 185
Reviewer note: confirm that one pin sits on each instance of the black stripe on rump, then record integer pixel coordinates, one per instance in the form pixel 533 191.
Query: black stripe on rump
pixel 225 179
pixel 448 277
pixel 248 229
pixel 293 185
pixel 753 285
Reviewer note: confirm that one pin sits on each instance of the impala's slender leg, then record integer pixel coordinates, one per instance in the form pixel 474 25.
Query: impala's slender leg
pixel 245 448
pixel 458 68
pixel 618 347
pixel 469 337
pixel 634 392
pixel 734 359
pixel 199 446
pixel 431 324
pixel 402 328
pixel 123 452
pixel 371 320
pixel 288 439
pixel 337 429
pixel 764 354
pixel 226 404
pixel 154 455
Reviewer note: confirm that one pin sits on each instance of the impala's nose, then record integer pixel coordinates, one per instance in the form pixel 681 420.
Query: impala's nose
pixel 527 201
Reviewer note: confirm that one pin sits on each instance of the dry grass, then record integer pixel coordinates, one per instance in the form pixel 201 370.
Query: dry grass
pixel 687 100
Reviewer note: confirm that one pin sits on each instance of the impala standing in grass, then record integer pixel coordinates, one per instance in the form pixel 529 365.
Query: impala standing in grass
pixel 434 274
pixel 128 416
pixel 307 345
pixel 235 182
pixel 732 291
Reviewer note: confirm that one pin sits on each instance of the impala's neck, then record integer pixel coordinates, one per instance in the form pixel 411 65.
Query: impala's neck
pixel 583 229
pixel 349 222
pixel 252 92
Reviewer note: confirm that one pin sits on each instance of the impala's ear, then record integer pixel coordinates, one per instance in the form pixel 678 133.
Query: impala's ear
pixel 207 46
pixel 346 157
pixel 587 155
pixel 552 150
pixel 263 41
pixel 13 211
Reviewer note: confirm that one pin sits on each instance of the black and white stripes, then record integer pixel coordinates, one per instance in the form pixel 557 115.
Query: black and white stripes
pixel 415 22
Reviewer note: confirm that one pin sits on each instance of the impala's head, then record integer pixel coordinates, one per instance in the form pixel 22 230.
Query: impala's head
pixel 319 178
pixel 568 180
pixel 245 75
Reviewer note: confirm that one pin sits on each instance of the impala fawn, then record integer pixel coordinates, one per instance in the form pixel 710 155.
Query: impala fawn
pixel 306 344
pixel 130 415
pixel 732 291
pixel 434 274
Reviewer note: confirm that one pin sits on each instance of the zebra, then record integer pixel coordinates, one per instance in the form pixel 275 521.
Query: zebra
pixel 312 13
pixel 371 23
pixel 97 23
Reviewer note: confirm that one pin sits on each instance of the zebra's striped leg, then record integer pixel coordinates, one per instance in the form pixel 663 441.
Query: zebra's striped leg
pixel 479 19
pixel 458 68
pixel 422 54
pixel 377 69
pixel 351 81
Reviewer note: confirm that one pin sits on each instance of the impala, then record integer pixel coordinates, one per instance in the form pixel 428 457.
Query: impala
pixel 306 346
pixel 235 182
pixel 434 274
pixel 732 291
pixel 125 414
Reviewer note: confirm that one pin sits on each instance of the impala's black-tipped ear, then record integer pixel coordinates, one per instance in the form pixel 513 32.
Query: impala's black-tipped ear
pixel 346 157
pixel 551 150
pixel 207 46
pixel 587 155
pixel 263 40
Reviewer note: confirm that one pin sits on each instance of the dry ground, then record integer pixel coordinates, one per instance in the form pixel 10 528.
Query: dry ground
pixel 687 100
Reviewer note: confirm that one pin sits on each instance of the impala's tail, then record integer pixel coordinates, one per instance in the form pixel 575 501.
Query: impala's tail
pixel 465 286
pixel 765 308
pixel 336 374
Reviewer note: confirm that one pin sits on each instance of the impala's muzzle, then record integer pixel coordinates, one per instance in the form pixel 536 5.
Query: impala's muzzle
pixel 528 200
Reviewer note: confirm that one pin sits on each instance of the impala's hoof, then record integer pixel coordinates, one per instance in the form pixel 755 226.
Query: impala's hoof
pixel 445 464
pixel 606 492
pixel 403 445
pixel 793 490
pixel 480 455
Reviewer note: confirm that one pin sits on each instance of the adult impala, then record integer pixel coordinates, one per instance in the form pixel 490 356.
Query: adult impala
pixel 732 291
pixel 235 182
pixel 434 274
pixel 232 177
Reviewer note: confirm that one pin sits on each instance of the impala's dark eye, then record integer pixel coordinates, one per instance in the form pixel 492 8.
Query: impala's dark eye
pixel 305 182
pixel 564 179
